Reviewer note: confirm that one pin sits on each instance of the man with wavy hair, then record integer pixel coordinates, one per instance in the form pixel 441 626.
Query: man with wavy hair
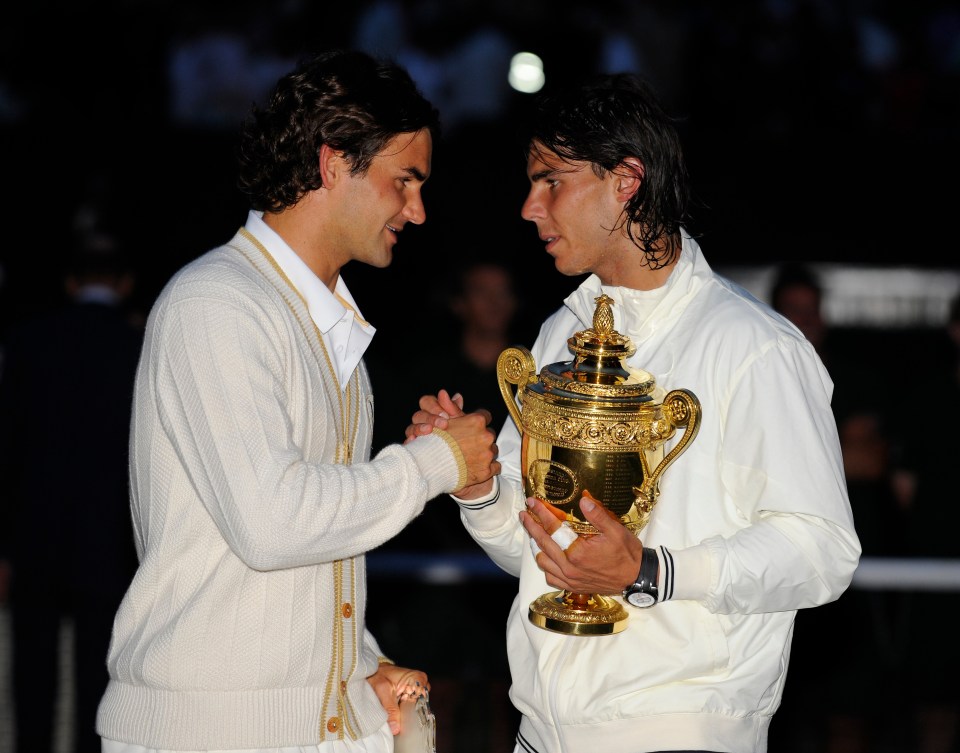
pixel 253 492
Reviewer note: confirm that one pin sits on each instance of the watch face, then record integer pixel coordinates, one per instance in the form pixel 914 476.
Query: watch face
pixel 641 599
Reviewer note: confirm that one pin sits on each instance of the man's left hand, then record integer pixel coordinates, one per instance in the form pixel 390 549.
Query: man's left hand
pixel 601 563
pixel 393 684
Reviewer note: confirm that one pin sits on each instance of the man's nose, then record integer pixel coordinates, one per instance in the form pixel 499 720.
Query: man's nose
pixel 532 209
pixel 415 211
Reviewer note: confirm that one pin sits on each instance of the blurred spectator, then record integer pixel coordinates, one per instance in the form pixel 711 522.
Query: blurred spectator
pixel 845 674
pixel 862 661
pixel 931 449
pixel 223 59
pixel 798 294
pixel 479 312
pixel 485 303
pixel 457 620
pixel 66 543
pixel 458 55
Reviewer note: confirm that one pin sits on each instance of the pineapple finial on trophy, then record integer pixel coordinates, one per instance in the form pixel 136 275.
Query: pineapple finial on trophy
pixel 603 316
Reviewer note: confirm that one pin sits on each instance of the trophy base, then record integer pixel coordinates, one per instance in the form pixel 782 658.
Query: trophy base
pixel 578 614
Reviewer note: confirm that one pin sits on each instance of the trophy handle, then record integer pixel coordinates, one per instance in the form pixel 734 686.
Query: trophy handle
pixel 515 366
pixel 680 408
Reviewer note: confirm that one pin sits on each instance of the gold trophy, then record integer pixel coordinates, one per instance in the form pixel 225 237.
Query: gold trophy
pixel 592 426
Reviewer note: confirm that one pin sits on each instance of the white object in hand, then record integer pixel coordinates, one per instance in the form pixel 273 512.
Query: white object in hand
pixel 564 536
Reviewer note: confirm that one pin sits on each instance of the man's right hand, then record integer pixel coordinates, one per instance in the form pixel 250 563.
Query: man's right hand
pixel 471 432
pixel 478 444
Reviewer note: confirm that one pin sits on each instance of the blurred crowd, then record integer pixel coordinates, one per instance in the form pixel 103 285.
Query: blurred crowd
pixel 895 418
pixel 824 124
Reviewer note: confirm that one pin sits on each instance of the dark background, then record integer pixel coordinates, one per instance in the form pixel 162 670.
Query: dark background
pixel 814 130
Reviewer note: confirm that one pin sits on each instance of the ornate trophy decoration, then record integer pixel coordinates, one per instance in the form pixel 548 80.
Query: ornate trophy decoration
pixel 592 426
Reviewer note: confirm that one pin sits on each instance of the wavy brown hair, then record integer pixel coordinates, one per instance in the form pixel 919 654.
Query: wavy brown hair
pixel 348 100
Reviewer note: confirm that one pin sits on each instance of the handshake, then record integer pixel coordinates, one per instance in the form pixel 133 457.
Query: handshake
pixel 472 433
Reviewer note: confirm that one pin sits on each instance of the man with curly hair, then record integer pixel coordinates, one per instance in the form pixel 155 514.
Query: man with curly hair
pixel 253 493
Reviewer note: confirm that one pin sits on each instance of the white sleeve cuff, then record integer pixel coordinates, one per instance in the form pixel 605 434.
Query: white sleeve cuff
pixel 481 502
pixel 684 573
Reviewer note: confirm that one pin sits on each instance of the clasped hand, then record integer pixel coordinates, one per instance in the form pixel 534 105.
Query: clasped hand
pixel 471 431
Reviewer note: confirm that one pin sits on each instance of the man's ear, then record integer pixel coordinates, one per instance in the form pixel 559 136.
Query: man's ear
pixel 333 165
pixel 629 175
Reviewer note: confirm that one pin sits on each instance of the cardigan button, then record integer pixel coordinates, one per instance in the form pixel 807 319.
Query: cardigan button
pixel 347 610
pixel 333 724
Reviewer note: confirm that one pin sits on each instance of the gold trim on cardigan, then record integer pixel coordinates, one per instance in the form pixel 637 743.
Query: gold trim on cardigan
pixel 344 723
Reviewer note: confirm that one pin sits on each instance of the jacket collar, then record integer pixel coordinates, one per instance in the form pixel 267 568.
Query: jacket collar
pixel 637 313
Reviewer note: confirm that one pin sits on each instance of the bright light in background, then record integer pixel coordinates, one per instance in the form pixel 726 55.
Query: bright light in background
pixel 526 73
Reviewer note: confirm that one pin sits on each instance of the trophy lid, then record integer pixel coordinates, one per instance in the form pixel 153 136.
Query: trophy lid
pixel 598 369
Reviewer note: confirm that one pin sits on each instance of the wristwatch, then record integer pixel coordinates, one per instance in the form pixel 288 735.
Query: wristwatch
pixel 643 593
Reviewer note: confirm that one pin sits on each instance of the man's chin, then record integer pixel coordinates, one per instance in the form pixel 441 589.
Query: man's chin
pixel 568 270
pixel 383 261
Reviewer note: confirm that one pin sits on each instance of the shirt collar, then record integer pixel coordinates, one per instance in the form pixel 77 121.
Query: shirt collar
pixel 336 314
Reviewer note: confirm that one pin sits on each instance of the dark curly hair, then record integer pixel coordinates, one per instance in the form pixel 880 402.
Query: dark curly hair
pixel 348 100
pixel 605 120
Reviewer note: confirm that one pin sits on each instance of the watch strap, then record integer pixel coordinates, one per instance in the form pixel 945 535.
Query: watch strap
pixel 646 582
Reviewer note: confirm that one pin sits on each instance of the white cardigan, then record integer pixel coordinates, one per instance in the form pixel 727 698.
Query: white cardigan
pixel 755 514
pixel 244 625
